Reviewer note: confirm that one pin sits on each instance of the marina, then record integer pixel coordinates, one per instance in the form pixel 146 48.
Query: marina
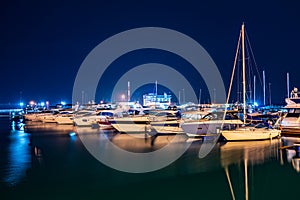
pixel 45 160
pixel 149 100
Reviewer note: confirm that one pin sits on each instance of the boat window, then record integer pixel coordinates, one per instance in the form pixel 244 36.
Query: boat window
pixel 291 110
pixel 297 111
pixel 109 114
pixel 293 115
pixel 208 117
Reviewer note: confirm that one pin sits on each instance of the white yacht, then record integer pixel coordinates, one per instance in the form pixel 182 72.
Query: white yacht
pixel 85 118
pixel 65 117
pixel 290 123
pixel 165 121
pixel 210 123
pixel 103 117
pixel 131 124
pixel 47 116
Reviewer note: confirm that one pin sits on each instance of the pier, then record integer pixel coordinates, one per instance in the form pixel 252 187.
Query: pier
pixel 10 112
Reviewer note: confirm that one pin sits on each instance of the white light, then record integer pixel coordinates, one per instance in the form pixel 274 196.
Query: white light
pixel 21 104
pixel 42 104
pixel 255 104
pixel 63 103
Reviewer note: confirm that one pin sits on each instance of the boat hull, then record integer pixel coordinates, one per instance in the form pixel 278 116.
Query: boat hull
pixel 131 124
pixel 250 134
pixel 167 127
pixel 198 128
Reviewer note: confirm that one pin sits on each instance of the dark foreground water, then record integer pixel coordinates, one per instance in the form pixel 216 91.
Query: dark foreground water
pixel 44 162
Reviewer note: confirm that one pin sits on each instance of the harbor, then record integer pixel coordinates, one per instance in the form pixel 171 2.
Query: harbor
pixel 149 100
pixel 45 157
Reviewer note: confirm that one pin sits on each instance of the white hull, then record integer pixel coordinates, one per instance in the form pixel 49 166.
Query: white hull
pixel 196 128
pixel 131 124
pixel 48 121
pixel 64 120
pixel 30 117
pixel 132 128
pixel 243 134
pixel 167 127
pixel 48 118
pixel 290 123
pixel 85 121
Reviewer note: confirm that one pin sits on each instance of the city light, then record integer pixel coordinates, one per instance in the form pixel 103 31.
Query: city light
pixel 123 97
pixel 31 103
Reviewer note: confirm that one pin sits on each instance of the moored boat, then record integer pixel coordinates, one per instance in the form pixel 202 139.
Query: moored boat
pixel 290 123
pixel 246 133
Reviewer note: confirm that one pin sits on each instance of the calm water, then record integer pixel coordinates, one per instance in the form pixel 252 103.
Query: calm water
pixel 44 162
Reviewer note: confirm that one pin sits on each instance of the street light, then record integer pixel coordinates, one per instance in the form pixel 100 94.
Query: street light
pixel 31 103
pixel 123 97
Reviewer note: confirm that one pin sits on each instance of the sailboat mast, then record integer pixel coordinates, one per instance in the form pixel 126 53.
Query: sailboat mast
pixel 288 84
pixel 156 88
pixel 244 72
pixel 128 91
pixel 264 87
pixel 254 80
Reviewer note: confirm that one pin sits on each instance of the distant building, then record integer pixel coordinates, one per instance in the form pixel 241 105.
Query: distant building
pixel 154 100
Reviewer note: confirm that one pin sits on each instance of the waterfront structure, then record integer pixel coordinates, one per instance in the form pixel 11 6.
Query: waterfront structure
pixel 157 101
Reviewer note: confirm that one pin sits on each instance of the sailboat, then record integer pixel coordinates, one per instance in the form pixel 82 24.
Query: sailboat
pixel 246 133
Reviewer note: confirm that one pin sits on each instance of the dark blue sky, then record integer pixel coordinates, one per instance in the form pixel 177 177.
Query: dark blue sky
pixel 43 43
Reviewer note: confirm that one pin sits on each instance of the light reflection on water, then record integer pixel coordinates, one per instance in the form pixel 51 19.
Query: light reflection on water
pixel 18 157
pixel 54 161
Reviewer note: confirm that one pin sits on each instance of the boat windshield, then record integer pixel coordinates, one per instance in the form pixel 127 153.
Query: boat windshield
pixel 219 116
pixel 293 112
pixel 293 115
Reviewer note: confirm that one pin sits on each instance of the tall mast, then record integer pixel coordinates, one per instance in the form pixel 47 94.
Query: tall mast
pixel 254 80
pixel 288 84
pixel 264 87
pixel 200 96
pixel 156 88
pixel 244 72
pixel 128 91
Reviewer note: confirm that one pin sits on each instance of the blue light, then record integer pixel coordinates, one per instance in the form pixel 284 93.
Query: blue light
pixel 21 104
pixel 63 103
pixel 255 104
pixel 43 104
pixel 72 134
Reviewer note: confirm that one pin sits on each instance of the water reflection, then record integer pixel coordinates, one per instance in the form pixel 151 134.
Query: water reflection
pixel 242 155
pixel 238 170
pixel 43 129
pixel 289 153
pixel 18 157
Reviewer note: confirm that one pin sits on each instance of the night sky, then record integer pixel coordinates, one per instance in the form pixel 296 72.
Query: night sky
pixel 43 43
